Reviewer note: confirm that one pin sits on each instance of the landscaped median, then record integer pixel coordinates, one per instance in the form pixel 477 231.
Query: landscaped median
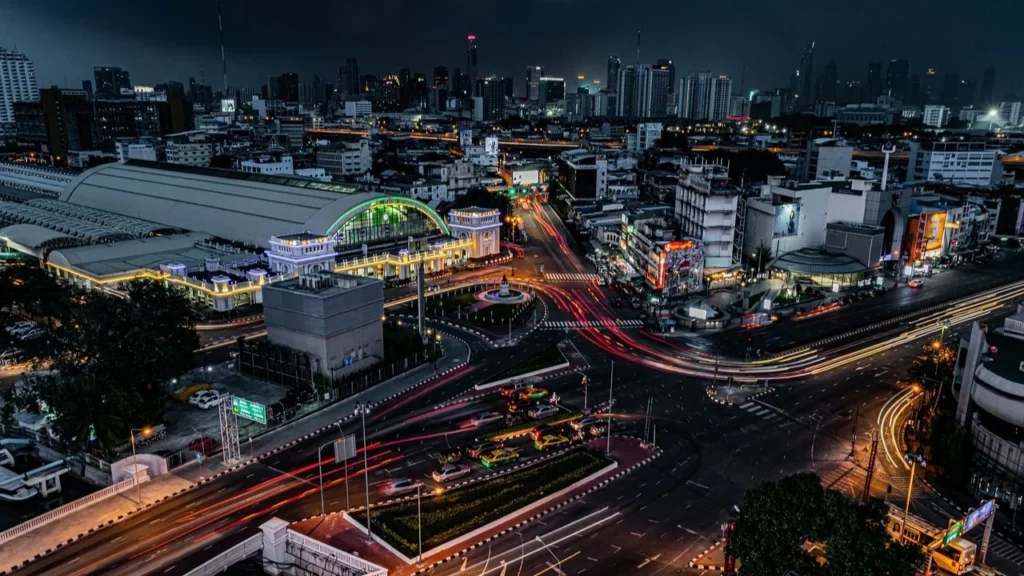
pixel 548 360
pixel 524 427
pixel 451 517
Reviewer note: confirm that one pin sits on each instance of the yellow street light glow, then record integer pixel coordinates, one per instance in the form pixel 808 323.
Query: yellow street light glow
pixel 146 431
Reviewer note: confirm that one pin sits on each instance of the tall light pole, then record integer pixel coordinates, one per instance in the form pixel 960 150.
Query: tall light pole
pixel 608 441
pixel 202 445
pixel 910 491
pixel 419 523
pixel 362 409
pixel 135 463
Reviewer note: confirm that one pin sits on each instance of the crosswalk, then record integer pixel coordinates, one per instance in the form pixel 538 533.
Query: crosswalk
pixel 591 324
pixel 570 277
pixel 762 412
pixel 1006 550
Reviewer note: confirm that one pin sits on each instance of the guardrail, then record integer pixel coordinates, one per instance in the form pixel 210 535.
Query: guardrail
pixel 328 551
pixel 229 557
pixel 58 513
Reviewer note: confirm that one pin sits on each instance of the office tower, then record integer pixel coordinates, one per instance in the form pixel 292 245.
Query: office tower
pixel 172 88
pixel 873 88
pixel 671 68
pixel 58 120
pixel 988 83
pixel 614 64
pixel 654 92
pixel 348 78
pixel 464 87
pixel 550 90
pixel 584 102
pixel 719 97
pixel 419 90
pixel 968 87
pixel 111 81
pixel 17 84
pixel 693 97
pixel 472 59
pixel 950 95
pixel 827 80
pixel 390 94
pixel 508 82
pixel 930 87
pixel 533 76
pixel 286 87
pixel 807 75
pixel 625 101
pixel 492 92
pixel 405 87
pixel 897 79
pixel 87 86
pixel 441 77
pixel 686 95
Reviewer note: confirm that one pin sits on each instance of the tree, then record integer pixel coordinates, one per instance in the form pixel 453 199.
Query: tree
pixel 952 448
pixel 761 257
pixel 777 518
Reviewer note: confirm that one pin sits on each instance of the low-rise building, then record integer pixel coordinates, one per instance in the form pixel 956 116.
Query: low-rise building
pixel 707 208
pixel 936 116
pixel 190 149
pixel 135 150
pixel 583 174
pixel 343 159
pixel 962 163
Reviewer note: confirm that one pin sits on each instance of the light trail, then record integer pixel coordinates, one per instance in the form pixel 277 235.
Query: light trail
pixel 423 390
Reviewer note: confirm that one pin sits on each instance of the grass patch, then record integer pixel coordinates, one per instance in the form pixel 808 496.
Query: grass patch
pixel 459 512
pixel 451 304
pixel 400 343
pixel 549 357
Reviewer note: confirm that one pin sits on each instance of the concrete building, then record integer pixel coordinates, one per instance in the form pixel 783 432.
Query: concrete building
pixel 827 159
pixel 358 108
pixel 644 138
pixel 706 206
pixel 964 163
pixel 282 166
pixel 343 159
pixel 583 174
pixel 1010 113
pixel 719 98
pixel 190 149
pixel 655 87
pixel 480 225
pixel 936 116
pixel 128 150
pixel 335 318
pixel 17 84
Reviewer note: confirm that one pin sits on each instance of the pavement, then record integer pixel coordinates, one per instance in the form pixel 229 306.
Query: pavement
pixel 161 488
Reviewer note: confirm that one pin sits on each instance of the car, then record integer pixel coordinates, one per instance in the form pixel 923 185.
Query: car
pixel 204 444
pixel 208 402
pixel 397 486
pixel 519 406
pixel 915 283
pixel 550 441
pixel 510 390
pixel 542 430
pixel 541 412
pixel 484 418
pixel 20 328
pixel 449 456
pixel 532 393
pixel 515 418
pixel 33 333
pixel 476 450
pixel 496 458
pixel 450 472
pixel 583 423
pixel 199 396
pixel 598 429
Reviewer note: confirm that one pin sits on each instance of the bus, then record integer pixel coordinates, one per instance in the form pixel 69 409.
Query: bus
pixel 956 558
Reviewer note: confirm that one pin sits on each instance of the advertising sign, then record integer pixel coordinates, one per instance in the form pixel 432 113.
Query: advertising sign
pixel 249 410
pixel 787 220
pixel 227 106
pixel 980 515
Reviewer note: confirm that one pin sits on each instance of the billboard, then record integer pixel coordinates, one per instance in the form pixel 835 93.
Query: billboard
pixel 227 106
pixel 786 221
pixel 935 227
pixel 491 145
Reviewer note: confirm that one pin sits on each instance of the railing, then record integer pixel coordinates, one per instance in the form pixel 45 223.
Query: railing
pixel 229 557
pixel 58 513
pixel 328 551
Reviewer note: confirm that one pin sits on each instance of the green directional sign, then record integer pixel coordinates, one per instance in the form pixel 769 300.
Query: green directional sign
pixel 953 532
pixel 249 410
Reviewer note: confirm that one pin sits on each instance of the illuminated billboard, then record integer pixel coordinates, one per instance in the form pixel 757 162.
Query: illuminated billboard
pixel 227 106
pixel 935 228
pixel 786 221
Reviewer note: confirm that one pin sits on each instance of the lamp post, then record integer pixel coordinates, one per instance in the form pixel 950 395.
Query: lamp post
pixel 910 491
pixel 135 463
pixel 202 446
pixel 419 524
pixel 363 409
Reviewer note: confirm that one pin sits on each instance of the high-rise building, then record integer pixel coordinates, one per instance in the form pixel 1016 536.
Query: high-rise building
pixel 441 77
pixel 719 97
pixel 988 83
pixel 653 97
pixel 551 90
pixel 390 94
pixel 492 93
pixel 873 88
pixel 625 101
pixel 287 87
pixel 533 76
pixel 111 81
pixel 968 87
pixel 509 85
pixel 897 79
pixel 930 87
pixel 668 65
pixel 807 75
pixel 472 59
pixel 87 86
pixel 694 96
pixel 827 80
pixel 348 78
pixel 950 95
pixel 584 102
pixel 60 120
pixel 17 84
pixel 419 91
pixel 614 64
pixel 405 87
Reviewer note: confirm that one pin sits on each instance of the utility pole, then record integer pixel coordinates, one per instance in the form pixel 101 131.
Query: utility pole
pixel 608 441
pixel 870 473
pixel 853 437
pixel 910 492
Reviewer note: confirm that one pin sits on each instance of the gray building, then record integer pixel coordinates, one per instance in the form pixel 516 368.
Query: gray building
pixel 335 318
pixel 827 158
pixel 861 242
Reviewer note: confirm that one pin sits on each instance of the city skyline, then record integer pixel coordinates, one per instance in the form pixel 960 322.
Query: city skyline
pixel 730 41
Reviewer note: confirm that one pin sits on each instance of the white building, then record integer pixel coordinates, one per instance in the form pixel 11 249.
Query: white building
pixel 827 159
pixel 965 163
pixel 937 116
pixel 17 84
pixel 719 97
pixel 483 225
pixel 646 136
pixel 269 165
pixel 706 208
pixel 190 149
pixel 127 150
pixel 1010 113
pixel 345 158
pixel 354 108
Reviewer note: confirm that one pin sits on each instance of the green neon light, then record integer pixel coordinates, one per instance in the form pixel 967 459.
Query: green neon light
pixel 389 201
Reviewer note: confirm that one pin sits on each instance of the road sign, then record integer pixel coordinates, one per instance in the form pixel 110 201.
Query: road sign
pixel 249 410
pixel 980 515
pixel 953 532
pixel 344 448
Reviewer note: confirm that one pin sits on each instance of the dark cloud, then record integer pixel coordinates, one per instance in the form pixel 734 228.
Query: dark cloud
pixel 760 40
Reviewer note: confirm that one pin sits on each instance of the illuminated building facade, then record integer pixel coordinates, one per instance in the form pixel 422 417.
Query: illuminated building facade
pixel 482 226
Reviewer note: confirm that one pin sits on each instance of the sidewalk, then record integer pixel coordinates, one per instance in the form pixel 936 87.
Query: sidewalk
pixel 89 519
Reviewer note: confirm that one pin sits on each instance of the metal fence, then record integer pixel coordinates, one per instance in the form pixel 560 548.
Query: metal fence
pixel 237 553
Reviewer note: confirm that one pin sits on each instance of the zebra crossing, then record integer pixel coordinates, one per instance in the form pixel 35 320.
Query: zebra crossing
pixel 762 412
pixel 570 277
pixel 591 324
pixel 1006 550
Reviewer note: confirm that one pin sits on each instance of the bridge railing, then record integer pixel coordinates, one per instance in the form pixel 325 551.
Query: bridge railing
pixel 237 553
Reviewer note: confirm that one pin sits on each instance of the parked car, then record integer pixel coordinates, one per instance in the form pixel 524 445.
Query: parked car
pixel 550 441
pixel 484 418
pixel 204 444
pixel 544 411
pixel 476 450
pixel 498 457
pixel 397 486
pixel 450 472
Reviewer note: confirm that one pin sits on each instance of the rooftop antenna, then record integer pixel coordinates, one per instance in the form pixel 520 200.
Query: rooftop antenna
pixel 223 60
pixel 638 49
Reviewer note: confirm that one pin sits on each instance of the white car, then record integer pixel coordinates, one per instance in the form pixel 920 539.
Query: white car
pixel 398 486
pixel 583 423
pixel 210 400
pixel 197 397
pixel 450 472
pixel 543 411
pixel 20 328
pixel 33 333
pixel 485 418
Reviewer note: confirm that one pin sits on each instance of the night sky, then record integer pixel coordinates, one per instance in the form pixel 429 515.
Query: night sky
pixel 158 41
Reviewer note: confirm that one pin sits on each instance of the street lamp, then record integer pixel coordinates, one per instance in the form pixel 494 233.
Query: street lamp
pixel 320 467
pixel 419 524
pixel 146 431
pixel 364 409
pixel 202 445
pixel 910 491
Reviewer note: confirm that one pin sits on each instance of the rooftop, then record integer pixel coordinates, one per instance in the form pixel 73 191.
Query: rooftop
pixel 113 259
pixel 325 284
pixel 814 261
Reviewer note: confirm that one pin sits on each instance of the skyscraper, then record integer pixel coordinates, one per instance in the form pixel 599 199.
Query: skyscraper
pixel 287 87
pixel 693 99
pixel 614 64
pixel 654 90
pixel 930 87
pixel 807 75
pixel 873 87
pixel 509 85
pixel 719 97
pixel 390 93
pixel 950 95
pixel 17 84
pixel 625 102
pixel 671 68
pixel 897 79
pixel 110 81
pixel 827 80
pixel 348 78
pixel 988 83
pixel 405 87
pixel 419 91
pixel 492 92
pixel 441 77
pixel 472 59
pixel 686 95
pixel 533 76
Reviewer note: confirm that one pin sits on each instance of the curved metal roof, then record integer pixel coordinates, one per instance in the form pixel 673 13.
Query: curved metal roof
pixel 38 238
pixel 14 213
pixel 219 203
